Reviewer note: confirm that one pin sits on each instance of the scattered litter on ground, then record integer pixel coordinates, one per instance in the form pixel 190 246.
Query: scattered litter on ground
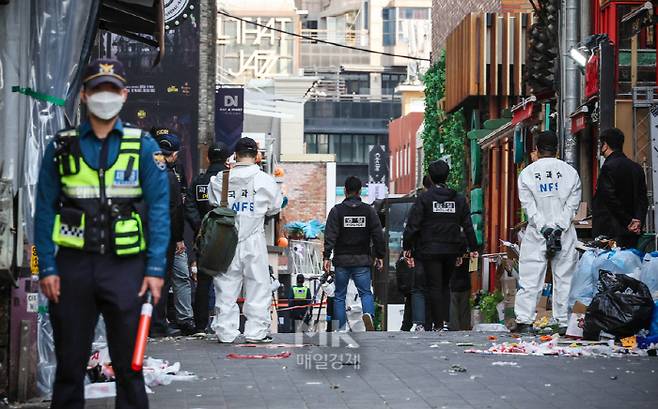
pixel 492 338
pixel 160 372
pixel 505 363
pixel 490 328
pixel 553 346
pixel 282 355
pixel 613 377
pixel 465 344
pixel 454 368
pixel 101 374
pixel 314 383
pixel 102 390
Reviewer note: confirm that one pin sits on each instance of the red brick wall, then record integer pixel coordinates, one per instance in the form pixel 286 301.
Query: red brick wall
pixel 306 190
pixel 402 138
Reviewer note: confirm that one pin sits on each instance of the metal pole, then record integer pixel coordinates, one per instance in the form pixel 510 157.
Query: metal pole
pixel 570 84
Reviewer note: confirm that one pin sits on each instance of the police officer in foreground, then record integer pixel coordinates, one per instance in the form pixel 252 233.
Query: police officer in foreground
pixel 197 206
pixel 351 227
pixel 434 233
pixel 102 200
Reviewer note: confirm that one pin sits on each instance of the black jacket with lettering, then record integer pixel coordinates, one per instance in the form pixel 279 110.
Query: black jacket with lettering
pixel 196 197
pixel 351 227
pixel 436 222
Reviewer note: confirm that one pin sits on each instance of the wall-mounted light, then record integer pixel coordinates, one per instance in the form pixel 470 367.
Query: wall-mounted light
pixel 579 55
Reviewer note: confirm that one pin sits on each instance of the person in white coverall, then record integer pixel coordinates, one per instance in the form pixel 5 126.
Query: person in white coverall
pixel 253 194
pixel 549 191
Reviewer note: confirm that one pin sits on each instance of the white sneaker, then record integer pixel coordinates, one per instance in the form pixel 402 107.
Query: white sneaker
pixel 417 328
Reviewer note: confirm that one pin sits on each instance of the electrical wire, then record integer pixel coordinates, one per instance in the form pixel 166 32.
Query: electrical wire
pixel 317 40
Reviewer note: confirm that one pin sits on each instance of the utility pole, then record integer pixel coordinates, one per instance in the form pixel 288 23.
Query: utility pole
pixel 570 81
pixel 207 71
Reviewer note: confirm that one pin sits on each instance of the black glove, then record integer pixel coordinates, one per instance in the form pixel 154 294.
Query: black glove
pixel 553 241
pixel 557 239
pixel 546 232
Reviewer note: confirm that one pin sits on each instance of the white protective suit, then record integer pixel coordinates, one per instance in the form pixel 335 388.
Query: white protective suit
pixel 253 194
pixel 549 191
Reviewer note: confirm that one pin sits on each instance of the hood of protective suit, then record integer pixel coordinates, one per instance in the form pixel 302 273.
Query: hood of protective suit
pixel 253 194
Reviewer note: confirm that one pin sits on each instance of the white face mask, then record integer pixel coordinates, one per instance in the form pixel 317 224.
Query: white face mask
pixel 105 104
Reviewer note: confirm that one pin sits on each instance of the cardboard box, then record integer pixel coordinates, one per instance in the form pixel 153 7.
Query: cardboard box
pixel 579 308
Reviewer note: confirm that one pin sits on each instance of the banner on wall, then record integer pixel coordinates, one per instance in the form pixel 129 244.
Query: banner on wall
pixel 165 95
pixel 229 115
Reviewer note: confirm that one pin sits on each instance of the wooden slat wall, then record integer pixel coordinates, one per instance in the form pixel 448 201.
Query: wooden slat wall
pixel 472 45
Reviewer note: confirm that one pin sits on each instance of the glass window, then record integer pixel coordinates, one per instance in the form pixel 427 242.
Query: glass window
pixel 346 148
pixel 414 13
pixel 311 141
pixel 323 143
pixel 388 26
pixel 357 83
pixel 390 81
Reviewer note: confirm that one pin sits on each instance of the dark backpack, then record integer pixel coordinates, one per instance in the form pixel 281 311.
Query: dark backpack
pixel 218 236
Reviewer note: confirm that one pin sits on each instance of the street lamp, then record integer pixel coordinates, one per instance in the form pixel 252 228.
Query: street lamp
pixel 579 55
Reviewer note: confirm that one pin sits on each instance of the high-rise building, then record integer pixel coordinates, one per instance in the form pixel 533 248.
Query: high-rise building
pixel 356 96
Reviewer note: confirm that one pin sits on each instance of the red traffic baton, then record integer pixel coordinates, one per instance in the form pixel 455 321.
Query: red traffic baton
pixel 142 333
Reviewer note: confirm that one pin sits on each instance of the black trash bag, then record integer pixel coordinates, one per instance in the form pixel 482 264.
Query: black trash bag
pixel 622 307
pixel 404 276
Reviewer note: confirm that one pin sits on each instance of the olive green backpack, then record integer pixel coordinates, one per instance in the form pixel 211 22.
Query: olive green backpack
pixel 218 236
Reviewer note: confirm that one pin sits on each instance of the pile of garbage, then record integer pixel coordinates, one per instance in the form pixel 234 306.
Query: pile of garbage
pixel 99 382
pixel 614 293
pixel 558 346
pixel 101 376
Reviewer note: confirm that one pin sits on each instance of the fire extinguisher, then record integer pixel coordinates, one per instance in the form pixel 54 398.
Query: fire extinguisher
pixel 142 333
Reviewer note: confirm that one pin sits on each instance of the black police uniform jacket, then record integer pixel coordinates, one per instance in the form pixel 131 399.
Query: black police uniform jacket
pixel 197 204
pixel 621 195
pixel 436 222
pixel 351 226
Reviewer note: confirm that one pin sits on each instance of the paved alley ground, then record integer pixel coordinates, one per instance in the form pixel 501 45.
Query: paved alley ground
pixel 398 370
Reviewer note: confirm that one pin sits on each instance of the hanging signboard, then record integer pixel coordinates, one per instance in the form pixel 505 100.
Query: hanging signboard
pixel 229 115
pixel 377 172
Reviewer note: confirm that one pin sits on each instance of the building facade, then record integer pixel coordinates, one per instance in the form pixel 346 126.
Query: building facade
pixel 447 14
pixel 357 93
pixel 402 144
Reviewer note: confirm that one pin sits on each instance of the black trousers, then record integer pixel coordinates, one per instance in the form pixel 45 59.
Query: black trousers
pixel 437 270
pixel 202 300
pixel 93 284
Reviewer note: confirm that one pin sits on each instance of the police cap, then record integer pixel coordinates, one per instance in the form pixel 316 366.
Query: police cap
pixel 104 71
